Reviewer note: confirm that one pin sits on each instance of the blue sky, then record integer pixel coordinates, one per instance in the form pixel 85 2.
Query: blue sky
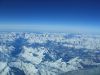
pixel 50 15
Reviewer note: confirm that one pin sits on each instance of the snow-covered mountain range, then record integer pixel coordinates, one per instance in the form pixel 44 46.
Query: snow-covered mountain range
pixel 27 53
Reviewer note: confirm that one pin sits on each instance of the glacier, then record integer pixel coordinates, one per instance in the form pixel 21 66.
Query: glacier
pixel 31 53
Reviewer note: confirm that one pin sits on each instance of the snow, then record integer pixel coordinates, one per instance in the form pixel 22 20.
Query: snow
pixel 33 55
pixel 28 68
pixel 3 68
pixel 31 58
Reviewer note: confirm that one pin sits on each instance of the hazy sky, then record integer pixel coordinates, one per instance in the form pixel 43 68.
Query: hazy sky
pixel 50 15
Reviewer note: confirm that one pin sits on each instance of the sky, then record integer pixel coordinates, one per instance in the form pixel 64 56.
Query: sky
pixel 50 15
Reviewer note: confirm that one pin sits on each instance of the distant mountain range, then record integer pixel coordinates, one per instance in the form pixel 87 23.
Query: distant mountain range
pixel 27 53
